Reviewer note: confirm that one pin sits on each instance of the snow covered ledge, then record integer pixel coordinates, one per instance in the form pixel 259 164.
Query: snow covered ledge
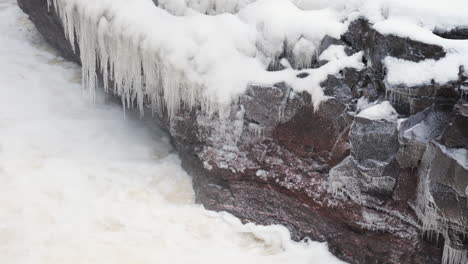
pixel 195 60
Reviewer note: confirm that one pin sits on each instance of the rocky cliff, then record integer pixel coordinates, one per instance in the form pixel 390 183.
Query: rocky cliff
pixel 378 189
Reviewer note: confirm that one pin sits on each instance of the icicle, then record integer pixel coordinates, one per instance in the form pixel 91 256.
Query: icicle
pixel 464 93
pixel 130 67
pixel 284 101
pixel 454 256
pixel 256 129
pixel 466 196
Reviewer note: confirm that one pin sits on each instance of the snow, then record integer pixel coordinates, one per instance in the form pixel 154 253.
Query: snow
pixel 401 72
pixel 430 14
pixel 383 110
pixel 207 52
pixel 334 52
pixel 217 48
pixel 408 73
pixel 196 59
pixel 81 184
pixel 280 25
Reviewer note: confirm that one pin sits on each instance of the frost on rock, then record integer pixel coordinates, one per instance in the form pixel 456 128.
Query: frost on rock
pixel 417 131
pixel 441 199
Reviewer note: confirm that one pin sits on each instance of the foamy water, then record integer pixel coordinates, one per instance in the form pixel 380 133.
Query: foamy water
pixel 81 184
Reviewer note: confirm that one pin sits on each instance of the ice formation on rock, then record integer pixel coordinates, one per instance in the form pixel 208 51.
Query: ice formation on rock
pixel 454 256
pixel 167 61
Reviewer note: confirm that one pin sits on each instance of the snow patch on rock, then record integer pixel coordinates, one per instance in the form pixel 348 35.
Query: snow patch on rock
pixel 383 110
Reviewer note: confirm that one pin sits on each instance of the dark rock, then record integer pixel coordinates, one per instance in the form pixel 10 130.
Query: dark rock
pixel 442 192
pixel 319 133
pixel 456 134
pixel 338 88
pixel 418 130
pixel 328 41
pixel 457 33
pixel 412 100
pixel 302 75
pixel 370 173
pixel 374 139
pixel 362 36
pixel 47 23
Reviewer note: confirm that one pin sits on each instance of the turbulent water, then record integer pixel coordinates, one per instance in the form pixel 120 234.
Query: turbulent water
pixel 79 183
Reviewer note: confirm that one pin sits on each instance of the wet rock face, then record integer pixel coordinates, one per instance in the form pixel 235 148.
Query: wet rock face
pixel 367 187
pixel 442 197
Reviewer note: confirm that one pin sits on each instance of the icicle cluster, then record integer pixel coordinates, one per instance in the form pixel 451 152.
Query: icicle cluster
pixel 435 222
pixel 130 67
pixel 454 256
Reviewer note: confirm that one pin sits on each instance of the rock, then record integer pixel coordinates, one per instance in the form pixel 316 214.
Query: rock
pixel 456 134
pixel 442 197
pixel 318 133
pixel 47 23
pixel 344 87
pixel 374 140
pixel 328 41
pixel 412 100
pixel 370 173
pixel 376 46
pixel 418 130
pixel 456 33
pixel 362 36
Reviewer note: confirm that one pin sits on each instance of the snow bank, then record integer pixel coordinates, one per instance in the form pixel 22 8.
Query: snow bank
pixel 403 72
pixel 383 110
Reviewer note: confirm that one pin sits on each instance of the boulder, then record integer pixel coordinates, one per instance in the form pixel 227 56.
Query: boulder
pixel 418 130
pixel 442 203
pixel 362 36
